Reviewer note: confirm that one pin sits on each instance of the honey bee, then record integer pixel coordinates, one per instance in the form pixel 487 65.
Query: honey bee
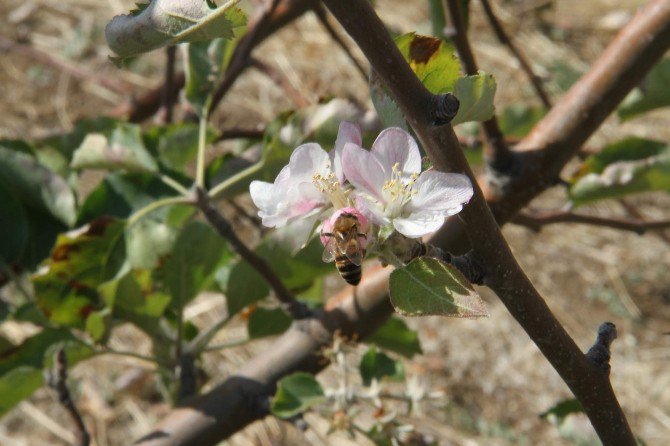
pixel 344 246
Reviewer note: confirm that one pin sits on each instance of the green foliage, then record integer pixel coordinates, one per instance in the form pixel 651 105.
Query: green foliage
pixel 437 67
pixel 175 145
pixel 205 64
pixel 295 394
pixel 267 322
pixel 190 267
pixel 653 93
pixel 122 150
pixel 517 120
pixel 397 337
pixel 632 165
pixel 167 22
pixel 21 368
pixel 243 285
pixel 427 286
pixel 66 289
pixel 377 365
pixel 36 187
pixel 562 409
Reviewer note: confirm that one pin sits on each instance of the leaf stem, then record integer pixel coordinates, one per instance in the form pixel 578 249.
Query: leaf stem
pixel 174 184
pixel 220 188
pixel 137 216
pixel 202 143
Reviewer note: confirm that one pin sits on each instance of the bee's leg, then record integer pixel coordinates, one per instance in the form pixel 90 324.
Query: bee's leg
pixel 365 236
pixel 327 234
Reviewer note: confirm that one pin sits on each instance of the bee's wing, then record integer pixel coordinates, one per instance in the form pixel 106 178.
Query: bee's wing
pixel 354 252
pixel 330 250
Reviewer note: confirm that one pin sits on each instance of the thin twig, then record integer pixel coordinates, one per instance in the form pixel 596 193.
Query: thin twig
pixel 635 213
pixel 236 133
pixel 291 305
pixel 496 152
pixel 324 19
pixel 76 70
pixel 506 40
pixel 169 92
pixel 58 381
pixel 298 99
pixel 536 221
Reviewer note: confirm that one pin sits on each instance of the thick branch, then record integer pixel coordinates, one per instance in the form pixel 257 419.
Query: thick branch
pixel 497 153
pixel 525 66
pixel 537 221
pixel 294 307
pixel 169 92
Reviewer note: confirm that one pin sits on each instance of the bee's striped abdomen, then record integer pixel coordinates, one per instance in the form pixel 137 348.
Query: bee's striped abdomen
pixel 348 270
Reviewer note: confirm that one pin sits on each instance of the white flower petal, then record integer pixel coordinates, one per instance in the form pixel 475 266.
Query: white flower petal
pixel 372 210
pixel 394 145
pixel 303 198
pixel 418 224
pixel 306 160
pixel 348 132
pixel 441 192
pixel 363 170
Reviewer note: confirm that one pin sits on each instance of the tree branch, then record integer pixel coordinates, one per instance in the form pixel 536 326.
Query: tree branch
pixel 525 66
pixel 537 221
pixel 295 308
pixel 496 151
pixel 229 407
pixel 58 381
pixel 298 99
pixel 169 92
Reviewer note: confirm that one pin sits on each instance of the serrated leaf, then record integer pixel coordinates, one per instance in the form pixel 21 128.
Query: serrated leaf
pixel 65 290
pixel 377 365
pixel 35 186
pixel 194 258
pixel 562 409
pixel 123 150
pixel 21 367
pixel 387 109
pixel 433 61
pixel 653 93
pixel 295 394
pixel 397 337
pixel 475 95
pixel 267 322
pixel 427 286
pixel 167 22
pixel 622 169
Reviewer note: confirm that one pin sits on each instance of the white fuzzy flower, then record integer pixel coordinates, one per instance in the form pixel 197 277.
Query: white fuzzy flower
pixel 313 179
pixel 392 189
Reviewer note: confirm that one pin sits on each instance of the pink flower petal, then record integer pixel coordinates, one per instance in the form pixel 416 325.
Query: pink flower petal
pixel 394 145
pixel 363 170
pixel 306 160
pixel 441 192
pixel 348 132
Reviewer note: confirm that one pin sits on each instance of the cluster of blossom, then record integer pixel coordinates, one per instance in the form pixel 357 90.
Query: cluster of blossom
pixel 383 186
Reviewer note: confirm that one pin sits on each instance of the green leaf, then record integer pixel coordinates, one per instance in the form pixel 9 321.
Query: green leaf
pixel 205 64
pixel 97 325
pixel 518 120
pixel 120 195
pixel 387 109
pixel 123 150
pixel 377 365
pixel 67 143
pixel 21 367
pixel 630 166
pixel 427 286
pixel 265 322
pixel 35 186
pixel 167 22
pixel 397 337
pixel 177 144
pixel 133 297
pixel 562 409
pixel 295 394
pixel 433 61
pixel 475 94
pixel 194 258
pixel 148 241
pixel 14 227
pixel 243 286
pixel 66 289
pixel 653 93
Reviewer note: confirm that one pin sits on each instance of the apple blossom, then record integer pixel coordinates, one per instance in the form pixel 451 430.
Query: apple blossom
pixel 312 181
pixel 392 190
